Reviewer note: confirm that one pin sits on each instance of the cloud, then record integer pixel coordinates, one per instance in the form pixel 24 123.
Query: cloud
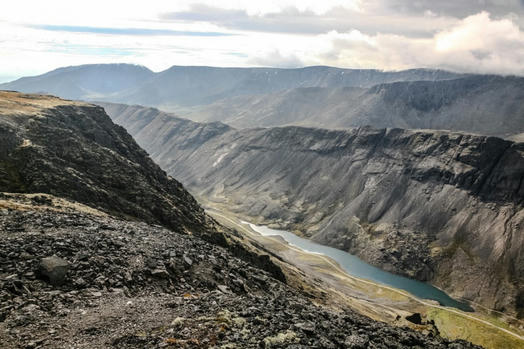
pixel 379 34
pixel 476 44
pixel 125 31
pixel 296 21
pixel 276 59
pixel 458 9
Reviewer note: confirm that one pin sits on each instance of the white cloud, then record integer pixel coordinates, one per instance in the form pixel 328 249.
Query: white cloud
pixel 347 34
pixel 475 44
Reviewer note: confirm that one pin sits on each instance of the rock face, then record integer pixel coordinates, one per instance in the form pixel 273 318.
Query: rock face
pixel 74 150
pixel 116 296
pixel 436 206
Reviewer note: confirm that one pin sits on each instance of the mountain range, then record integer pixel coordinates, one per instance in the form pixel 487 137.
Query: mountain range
pixel 317 96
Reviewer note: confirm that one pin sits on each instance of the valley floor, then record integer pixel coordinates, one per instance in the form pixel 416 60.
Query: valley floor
pixel 377 301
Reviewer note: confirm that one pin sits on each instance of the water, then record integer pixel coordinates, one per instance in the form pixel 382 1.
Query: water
pixel 356 267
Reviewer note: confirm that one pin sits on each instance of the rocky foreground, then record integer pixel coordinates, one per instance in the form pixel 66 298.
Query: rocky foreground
pixel 122 284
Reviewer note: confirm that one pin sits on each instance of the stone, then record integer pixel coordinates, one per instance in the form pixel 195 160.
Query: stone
pixel 188 260
pixel 54 270
pixel 160 273
pixel 223 288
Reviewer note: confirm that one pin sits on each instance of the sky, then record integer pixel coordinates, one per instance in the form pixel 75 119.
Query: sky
pixel 480 36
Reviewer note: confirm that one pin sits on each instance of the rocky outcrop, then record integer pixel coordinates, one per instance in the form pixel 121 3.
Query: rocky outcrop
pixel 74 150
pixel 437 206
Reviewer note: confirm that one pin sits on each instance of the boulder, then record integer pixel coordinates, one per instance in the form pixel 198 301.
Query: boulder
pixel 54 270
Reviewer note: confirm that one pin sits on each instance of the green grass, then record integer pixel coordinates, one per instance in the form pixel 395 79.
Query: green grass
pixel 454 326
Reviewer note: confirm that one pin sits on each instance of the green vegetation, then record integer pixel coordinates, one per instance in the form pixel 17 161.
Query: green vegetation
pixel 454 326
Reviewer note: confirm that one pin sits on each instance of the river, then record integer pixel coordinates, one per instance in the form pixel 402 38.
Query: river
pixel 358 268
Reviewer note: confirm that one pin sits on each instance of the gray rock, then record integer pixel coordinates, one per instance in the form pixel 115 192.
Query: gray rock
pixel 188 260
pixel 160 273
pixel 54 269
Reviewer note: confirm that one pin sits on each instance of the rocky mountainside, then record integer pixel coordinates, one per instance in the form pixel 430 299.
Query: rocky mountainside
pixel 83 267
pixel 488 105
pixel 189 86
pixel 74 150
pixel 126 284
pixel 436 206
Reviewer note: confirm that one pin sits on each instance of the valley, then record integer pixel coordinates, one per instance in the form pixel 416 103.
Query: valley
pixel 127 258
pixel 262 174
pixel 422 226
pixel 360 191
pixel 374 193
pixel 381 302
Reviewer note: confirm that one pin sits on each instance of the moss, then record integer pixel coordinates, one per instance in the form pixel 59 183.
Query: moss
pixel 283 338
pixel 453 326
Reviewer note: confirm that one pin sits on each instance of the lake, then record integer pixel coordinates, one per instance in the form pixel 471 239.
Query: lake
pixel 357 267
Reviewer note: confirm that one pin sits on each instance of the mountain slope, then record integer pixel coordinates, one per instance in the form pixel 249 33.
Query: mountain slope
pixel 189 86
pixel 435 206
pixel 73 150
pixel 84 81
pixel 489 105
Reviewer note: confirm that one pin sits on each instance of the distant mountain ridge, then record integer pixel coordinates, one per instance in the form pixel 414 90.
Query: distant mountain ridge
pixel 197 85
pixel 315 96
pixel 84 81
pixel 482 104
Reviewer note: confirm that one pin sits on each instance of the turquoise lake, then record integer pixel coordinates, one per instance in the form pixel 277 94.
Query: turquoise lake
pixel 357 267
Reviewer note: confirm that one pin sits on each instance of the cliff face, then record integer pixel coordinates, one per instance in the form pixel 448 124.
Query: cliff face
pixel 436 206
pixel 74 150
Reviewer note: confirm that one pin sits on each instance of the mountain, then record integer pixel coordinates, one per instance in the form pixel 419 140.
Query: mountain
pixel 488 105
pixel 73 150
pixel 432 205
pixel 84 81
pixel 189 86
pixel 81 265
pixel 316 96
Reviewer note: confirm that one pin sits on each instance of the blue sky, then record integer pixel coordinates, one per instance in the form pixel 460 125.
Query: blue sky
pixel 484 36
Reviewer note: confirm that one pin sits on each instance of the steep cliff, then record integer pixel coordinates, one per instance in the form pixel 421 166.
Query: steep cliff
pixel 436 206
